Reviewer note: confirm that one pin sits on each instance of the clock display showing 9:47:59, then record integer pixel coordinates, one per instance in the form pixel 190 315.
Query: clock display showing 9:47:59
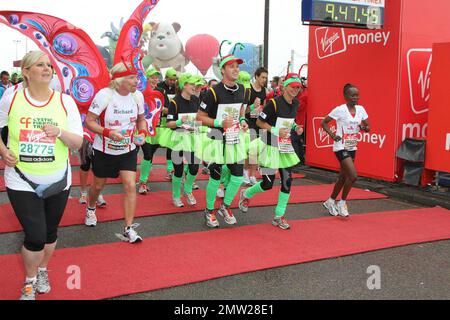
pixel 335 12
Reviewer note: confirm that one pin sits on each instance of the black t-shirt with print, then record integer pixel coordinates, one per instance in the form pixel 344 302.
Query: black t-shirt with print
pixel 270 114
pixel 223 95
pixel 253 95
pixel 180 105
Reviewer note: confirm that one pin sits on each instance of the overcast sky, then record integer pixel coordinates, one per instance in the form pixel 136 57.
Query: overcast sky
pixel 236 20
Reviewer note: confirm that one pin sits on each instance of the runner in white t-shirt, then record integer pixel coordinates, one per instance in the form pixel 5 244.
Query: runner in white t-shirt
pixel 351 118
pixel 116 113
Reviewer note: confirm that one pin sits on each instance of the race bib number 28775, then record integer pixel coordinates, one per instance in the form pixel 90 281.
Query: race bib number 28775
pixel 35 146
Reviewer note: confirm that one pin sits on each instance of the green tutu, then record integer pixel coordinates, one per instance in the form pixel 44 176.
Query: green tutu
pixel 165 136
pixel 270 157
pixel 213 151
pixel 183 141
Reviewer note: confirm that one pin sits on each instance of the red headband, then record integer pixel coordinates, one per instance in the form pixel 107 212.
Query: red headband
pixel 130 72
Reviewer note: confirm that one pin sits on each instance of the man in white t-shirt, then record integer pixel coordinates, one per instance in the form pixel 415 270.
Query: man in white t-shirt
pixel 350 118
pixel 116 113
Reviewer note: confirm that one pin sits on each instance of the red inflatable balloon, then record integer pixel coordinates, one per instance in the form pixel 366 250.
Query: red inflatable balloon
pixel 201 49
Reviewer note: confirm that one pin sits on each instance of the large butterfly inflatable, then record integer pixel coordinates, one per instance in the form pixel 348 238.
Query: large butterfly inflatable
pixel 77 61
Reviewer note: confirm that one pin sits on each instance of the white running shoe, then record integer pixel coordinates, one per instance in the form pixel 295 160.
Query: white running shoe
pixel 83 198
pixel 190 199
pixel 221 193
pixel 169 176
pixel 211 220
pixel 243 201
pixel 330 205
pixel 195 186
pixel 246 178
pixel 130 235
pixel 101 201
pixel 42 283
pixel 343 209
pixel 253 180
pixel 178 203
pixel 29 291
pixel 143 189
pixel 281 223
pixel 226 213
pixel 90 219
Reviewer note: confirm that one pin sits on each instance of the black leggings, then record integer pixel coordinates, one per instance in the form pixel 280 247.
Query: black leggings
pixel 192 161
pixel 150 149
pixel 269 178
pixel 39 218
pixel 236 169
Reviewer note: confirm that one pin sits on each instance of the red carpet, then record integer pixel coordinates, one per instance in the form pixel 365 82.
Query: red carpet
pixel 157 175
pixel 117 269
pixel 160 203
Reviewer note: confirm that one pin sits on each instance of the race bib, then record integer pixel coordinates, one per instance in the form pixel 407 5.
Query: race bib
pixel 350 136
pixel 255 113
pixel 119 145
pixel 285 144
pixel 36 147
pixel 232 110
pixel 191 123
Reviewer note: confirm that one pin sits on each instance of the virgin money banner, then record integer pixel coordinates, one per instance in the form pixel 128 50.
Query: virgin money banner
pixel 369 60
pixel 438 140
pixel 392 69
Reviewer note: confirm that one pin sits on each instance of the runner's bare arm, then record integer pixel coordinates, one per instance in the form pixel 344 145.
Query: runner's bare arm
pixel 71 140
pixel 365 125
pixel 325 127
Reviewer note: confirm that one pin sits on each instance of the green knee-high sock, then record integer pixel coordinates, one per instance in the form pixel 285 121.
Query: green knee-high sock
pixel 250 192
pixel 225 176
pixel 176 187
pixel 169 165
pixel 211 192
pixel 189 182
pixel 232 189
pixel 283 199
pixel 146 167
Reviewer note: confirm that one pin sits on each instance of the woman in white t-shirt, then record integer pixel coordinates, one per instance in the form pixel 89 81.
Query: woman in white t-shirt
pixel 116 113
pixel 351 118
pixel 43 126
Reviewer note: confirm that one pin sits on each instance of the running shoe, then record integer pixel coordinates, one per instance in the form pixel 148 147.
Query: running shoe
pixel 178 203
pixel 246 178
pixel 227 214
pixel 343 209
pixel 221 193
pixel 101 201
pixel 143 189
pixel 243 201
pixel 281 223
pixel 211 220
pixel 83 198
pixel 130 235
pixel 28 291
pixel 90 219
pixel 195 186
pixel 190 199
pixel 42 283
pixel 169 176
pixel 330 205
pixel 253 180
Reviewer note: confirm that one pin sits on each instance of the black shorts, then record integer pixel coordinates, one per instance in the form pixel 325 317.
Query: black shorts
pixel 109 166
pixel 344 154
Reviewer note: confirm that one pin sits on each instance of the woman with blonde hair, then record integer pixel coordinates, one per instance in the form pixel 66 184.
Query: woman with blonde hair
pixel 114 115
pixel 43 126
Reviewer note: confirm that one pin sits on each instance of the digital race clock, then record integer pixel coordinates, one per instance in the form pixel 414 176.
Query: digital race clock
pixel 344 13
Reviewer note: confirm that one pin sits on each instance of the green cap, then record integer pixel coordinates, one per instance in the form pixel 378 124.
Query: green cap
pixel 186 78
pixel 199 81
pixel 171 73
pixel 244 79
pixel 152 72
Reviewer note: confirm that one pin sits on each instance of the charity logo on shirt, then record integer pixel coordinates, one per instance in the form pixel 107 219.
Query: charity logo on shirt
pixel 285 144
pixel 232 110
